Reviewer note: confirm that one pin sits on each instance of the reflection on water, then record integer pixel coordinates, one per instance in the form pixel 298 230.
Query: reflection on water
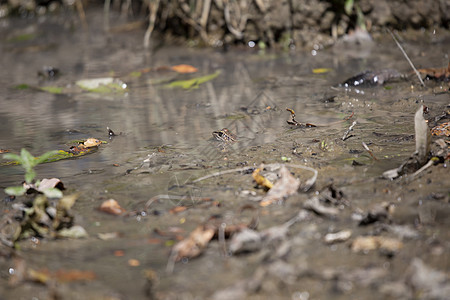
pixel 249 96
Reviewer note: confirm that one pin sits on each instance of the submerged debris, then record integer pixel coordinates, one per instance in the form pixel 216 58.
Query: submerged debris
pixel 421 155
pixel 314 204
pixel 372 78
pixel 48 73
pixel 380 213
pixel 111 206
pixel 337 237
pixel 427 282
pixel 40 218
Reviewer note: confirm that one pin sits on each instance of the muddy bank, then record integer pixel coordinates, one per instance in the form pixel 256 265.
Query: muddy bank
pixel 284 24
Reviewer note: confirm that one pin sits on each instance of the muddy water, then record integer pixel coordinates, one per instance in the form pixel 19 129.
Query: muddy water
pixel 172 129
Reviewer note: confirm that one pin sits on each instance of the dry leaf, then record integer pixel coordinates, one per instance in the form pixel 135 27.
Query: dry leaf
pixel 73 275
pixel 178 209
pixel 133 262
pixel 194 245
pixel 111 207
pixel 287 185
pixel 184 68
pixel 92 142
pixel 261 180
pixel 367 243
pixel 44 275
pixel 50 183
pixel 437 73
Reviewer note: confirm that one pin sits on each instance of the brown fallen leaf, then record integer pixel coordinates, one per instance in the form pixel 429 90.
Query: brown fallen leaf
pixel 178 209
pixel 44 275
pixel 287 185
pixel 437 73
pixel 133 262
pixel 111 206
pixel 261 180
pixel 184 68
pixel 367 243
pixel 73 275
pixel 195 243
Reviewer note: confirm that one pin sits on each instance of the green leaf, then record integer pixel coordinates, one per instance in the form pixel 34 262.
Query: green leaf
pixel 22 86
pixel 52 89
pixel 194 82
pixel 14 157
pixel 135 74
pixel 53 193
pixel 15 190
pixel 22 37
pixel 348 6
pixel 44 157
pixel 27 159
pixel 102 85
pixel 29 175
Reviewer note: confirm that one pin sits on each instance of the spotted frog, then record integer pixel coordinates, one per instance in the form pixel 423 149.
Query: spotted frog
pixel 225 136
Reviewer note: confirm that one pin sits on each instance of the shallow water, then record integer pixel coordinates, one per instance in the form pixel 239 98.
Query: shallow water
pixel 174 127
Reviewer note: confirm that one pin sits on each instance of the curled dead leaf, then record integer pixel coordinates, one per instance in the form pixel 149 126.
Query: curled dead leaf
pixel 111 206
pixel 92 142
pixel 287 185
pixel 194 245
pixel 261 180
pixel 51 183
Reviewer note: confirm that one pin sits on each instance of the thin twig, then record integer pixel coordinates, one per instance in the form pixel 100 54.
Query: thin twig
pixel 426 166
pixel 106 8
pixel 222 173
pixel 205 14
pixel 369 151
pixel 407 58
pixel 350 129
pixel 221 237
pixel 81 13
pixel 309 183
pixel 226 12
pixel 153 6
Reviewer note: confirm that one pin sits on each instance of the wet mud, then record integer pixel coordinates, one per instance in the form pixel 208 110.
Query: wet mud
pixel 352 234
